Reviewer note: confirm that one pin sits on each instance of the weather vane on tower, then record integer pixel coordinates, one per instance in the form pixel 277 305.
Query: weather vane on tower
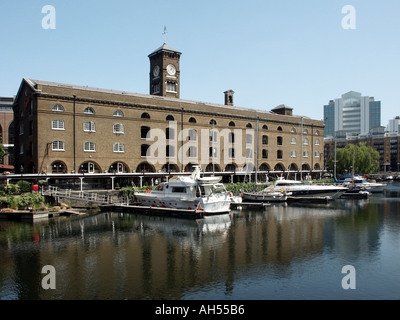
pixel 165 34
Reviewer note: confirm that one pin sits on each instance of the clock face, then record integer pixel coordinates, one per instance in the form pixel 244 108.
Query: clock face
pixel 171 69
pixel 156 71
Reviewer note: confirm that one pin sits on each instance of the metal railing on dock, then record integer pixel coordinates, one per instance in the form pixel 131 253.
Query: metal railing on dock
pixel 78 195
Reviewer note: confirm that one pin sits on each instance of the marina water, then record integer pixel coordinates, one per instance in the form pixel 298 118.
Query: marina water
pixel 282 251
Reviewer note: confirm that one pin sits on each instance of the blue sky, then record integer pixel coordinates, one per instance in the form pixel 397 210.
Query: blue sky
pixel 269 52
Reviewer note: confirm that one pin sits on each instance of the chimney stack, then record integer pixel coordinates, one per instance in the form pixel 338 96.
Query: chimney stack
pixel 229 97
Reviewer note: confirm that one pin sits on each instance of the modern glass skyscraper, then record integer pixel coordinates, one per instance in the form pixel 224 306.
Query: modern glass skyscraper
pixel 352 113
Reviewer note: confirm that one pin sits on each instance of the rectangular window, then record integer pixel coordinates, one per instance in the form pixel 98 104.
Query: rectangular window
pixel 57 124
pixel 171 86
pixel 58 145
pixel 119 147
pixel 89 126
pixel 118 128
pixel 89 146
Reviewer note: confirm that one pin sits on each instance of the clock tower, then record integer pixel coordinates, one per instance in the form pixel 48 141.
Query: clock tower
pixel 165 72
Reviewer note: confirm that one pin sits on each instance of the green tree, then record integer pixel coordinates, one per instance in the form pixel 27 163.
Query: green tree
pixel 365 159
pixel 3 153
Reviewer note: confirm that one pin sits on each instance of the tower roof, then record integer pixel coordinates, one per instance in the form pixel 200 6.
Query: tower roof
pixel 164 47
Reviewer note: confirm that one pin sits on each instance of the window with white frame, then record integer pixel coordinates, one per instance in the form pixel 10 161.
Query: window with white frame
pixel 57 125
pixel 58 107
pixel 58 145
pixel 89 146
pixel 118 113
pixel 119 147
pixel 89 126
pixel 118 128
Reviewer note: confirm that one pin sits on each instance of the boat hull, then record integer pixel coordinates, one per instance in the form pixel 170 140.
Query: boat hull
pixel 208 206
pixel 264 197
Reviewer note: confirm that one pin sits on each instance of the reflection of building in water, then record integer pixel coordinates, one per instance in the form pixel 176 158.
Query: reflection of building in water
pixel 147 255
pixel 137 257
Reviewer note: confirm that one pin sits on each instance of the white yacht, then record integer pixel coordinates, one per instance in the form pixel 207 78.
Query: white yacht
pixel 304 189
pixel 268 194
pixel 205 194
pixel 359 181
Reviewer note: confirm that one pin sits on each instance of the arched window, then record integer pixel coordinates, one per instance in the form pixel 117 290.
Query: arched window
pixel 118 113
pixel 212 121
pixel 88 110
pixel 231 124
pixel 58 107
pixel 170 118
pixel 279 128
pixel 249 125
pixel 192 120
pixel 145 115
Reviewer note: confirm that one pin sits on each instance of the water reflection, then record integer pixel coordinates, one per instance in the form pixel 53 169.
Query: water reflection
pixel 247 254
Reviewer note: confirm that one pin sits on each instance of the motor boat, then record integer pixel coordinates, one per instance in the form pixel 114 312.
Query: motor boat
pixel 298 188
pixel 268 194
pixel 356 180
pixel 205 194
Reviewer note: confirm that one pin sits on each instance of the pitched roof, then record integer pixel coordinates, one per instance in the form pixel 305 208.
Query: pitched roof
pixel 164 47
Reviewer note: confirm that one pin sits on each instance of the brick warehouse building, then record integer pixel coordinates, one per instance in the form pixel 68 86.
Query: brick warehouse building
pixel 62 128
